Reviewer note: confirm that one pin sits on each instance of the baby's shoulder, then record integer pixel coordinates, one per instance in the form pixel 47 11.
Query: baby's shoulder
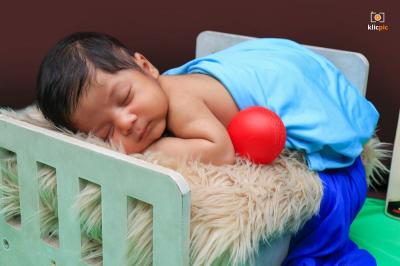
pixel 184 96
pixel 188 88
pixel 199 96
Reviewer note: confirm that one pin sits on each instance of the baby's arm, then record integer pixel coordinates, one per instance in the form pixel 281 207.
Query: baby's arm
pixel 206 150
pixel 199 134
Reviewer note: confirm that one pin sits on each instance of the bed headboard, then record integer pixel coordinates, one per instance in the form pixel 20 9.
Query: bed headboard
pixel 354 65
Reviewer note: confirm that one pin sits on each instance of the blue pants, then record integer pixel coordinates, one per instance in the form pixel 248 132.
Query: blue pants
pixel 324 239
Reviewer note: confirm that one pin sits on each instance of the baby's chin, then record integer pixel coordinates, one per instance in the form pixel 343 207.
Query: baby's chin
pixel 131 149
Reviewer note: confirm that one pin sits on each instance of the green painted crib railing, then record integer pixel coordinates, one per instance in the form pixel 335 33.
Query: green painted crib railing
pixel 164 189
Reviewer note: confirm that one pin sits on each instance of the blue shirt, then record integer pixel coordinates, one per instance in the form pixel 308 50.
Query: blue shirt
pixel 324 114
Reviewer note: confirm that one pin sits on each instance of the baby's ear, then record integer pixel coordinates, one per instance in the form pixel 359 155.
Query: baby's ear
pixel 145 65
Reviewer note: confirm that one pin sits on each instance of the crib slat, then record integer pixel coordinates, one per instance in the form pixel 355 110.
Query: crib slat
pixel 28 195
pixel 114 213
pixel 69 226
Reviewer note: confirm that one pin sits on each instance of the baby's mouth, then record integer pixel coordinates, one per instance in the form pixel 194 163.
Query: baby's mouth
pixel 143 132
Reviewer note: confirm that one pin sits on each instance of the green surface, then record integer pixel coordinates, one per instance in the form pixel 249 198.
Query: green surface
pixel 379 234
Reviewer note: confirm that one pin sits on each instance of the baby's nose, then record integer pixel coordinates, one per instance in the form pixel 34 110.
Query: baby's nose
pixel 125 123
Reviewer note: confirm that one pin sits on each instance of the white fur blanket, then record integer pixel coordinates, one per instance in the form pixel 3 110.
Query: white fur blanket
pixel 238 205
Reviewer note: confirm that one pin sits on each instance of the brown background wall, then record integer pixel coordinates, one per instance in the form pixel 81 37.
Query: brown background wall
pixel 165 32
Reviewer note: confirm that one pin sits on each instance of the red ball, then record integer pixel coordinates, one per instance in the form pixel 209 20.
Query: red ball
pixel 257 133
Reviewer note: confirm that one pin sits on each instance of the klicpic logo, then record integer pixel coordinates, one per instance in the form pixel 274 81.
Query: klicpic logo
pixel 377 20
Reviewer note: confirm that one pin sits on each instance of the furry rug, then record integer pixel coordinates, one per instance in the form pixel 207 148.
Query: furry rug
pixel 234 207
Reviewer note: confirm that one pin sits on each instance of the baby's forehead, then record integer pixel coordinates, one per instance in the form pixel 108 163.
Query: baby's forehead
pixel 99 78
pixel 94 83
pixel 102 79
pixel 103 84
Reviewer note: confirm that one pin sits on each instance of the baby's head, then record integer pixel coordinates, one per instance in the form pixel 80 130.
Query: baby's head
pixel 91 82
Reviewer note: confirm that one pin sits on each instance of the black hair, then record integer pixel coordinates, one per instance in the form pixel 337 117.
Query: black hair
pixel 68 69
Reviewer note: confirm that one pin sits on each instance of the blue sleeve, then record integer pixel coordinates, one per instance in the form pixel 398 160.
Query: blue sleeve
pixel 324 114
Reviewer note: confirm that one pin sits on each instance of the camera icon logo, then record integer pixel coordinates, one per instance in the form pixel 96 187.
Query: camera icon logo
pixel 377 17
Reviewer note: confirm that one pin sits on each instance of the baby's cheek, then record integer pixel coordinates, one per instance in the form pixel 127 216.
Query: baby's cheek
pixel 131 146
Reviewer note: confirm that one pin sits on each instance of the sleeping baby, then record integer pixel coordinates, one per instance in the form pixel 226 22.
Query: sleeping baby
pixel 91 82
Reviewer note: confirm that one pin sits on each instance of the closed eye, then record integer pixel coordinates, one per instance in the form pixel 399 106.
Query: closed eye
pixel 126 99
